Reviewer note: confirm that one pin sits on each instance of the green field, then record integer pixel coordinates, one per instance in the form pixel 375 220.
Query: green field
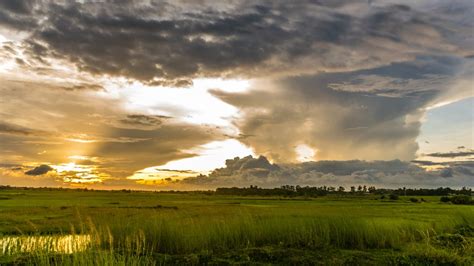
pixel 128 228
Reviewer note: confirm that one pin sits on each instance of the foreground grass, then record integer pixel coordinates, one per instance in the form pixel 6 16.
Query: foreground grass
pixel 150 228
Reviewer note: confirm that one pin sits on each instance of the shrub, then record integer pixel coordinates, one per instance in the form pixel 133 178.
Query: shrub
pixel 458 199
pixel 393 197
pixel 430 257
pixel 414 200
pixel 461 199
pixel 465 230
pixel 453 241
pixel 444 199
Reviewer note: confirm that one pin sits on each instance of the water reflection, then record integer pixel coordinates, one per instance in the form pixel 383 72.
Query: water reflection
pixel 59 244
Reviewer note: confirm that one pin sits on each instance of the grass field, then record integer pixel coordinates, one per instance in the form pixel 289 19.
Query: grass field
pixel 164 228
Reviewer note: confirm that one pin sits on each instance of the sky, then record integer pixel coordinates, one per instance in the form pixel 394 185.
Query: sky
pixel 181 94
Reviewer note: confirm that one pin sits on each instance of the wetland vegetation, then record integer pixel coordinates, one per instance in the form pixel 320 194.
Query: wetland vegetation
pixel 207 228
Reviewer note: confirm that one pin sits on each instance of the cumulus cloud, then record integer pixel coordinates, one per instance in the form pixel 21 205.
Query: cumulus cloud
pixel 257 166
pixel 394 173
pixel 343 115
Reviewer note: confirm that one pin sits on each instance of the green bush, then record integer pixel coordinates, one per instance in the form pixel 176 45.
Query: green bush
pixel 465 230
pixel 393 197
pixel 453 241
pixel 458 199
pixel 414 200
pixel 461 199
pixel 445 199
pixel 430 257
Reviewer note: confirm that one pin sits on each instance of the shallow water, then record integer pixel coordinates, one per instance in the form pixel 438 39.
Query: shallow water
pixel 55 243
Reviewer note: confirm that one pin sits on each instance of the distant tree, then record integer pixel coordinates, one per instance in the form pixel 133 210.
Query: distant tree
pixel 372 189
pixel 353 189
pixel 359 188
pixel 341 189
pixel 466 191
pixel 365 188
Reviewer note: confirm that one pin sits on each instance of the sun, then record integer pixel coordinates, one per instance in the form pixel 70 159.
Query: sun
pixel 78 173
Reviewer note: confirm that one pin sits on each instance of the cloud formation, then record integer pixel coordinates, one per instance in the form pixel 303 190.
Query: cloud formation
pixel 451 154
pixel 394 173
pixel 139 120
pixel 39 170
pixel 351 80
pixel 170 43
pixel 7 128
pixel 45 125
pixel 365 114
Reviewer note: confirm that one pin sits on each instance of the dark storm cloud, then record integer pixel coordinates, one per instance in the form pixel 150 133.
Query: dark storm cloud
pixel 468 163
pixel 353 166
pixel 461 167
pixel 170 43
pixel 451 154
pixel 17 6
pixel 19 14
pixel 39 170
pixel 365 114
pixel 425 163
pixel 392 173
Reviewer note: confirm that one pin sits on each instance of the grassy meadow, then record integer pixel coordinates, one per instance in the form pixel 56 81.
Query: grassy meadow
pixel 147 228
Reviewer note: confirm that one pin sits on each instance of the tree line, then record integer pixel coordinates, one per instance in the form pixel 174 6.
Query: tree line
pixel 286 190
pixel 308 191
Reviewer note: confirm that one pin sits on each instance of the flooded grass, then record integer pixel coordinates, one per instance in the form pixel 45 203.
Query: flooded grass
pixel 67 244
